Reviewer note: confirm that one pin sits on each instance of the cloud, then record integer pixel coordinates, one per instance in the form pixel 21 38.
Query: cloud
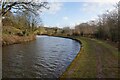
pixel 46 25
pixel 54 7
pixel 65 18
pixel 96 7
pixel 104 1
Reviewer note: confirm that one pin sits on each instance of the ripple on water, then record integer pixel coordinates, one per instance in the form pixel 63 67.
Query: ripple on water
pixel 19 56
pixel 38 65
pixel 34 74
pixel 62 51
pixel 47 57
pixel 54 51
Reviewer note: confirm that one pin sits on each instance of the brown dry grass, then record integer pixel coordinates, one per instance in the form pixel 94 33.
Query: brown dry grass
pixel 14 39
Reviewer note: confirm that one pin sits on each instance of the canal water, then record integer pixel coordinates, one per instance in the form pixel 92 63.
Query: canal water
pixel 46 57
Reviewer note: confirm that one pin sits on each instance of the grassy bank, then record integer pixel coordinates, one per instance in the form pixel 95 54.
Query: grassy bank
pixel 13 35
pixel 96 59
pixel 14 39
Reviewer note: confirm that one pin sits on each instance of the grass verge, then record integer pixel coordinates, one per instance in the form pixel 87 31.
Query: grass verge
pixel 96 59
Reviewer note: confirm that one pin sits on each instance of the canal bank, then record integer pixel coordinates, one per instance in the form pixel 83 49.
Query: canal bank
pixel 96 59
pixel 15 39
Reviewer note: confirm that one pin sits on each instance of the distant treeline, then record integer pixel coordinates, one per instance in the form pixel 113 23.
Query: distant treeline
pixel 105 27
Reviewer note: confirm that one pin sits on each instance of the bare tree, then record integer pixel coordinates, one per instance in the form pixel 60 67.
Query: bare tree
pixel 31 6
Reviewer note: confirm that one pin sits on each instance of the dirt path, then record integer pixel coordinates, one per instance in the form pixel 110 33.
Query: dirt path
pixel 95 60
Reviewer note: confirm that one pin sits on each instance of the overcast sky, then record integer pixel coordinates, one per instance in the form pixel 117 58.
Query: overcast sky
pixel 66 13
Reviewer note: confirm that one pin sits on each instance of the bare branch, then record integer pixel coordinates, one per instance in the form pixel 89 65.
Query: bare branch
pixel 30 6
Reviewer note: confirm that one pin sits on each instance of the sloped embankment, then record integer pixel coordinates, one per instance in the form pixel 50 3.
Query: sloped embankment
pixel 14 39
pixel 12 35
